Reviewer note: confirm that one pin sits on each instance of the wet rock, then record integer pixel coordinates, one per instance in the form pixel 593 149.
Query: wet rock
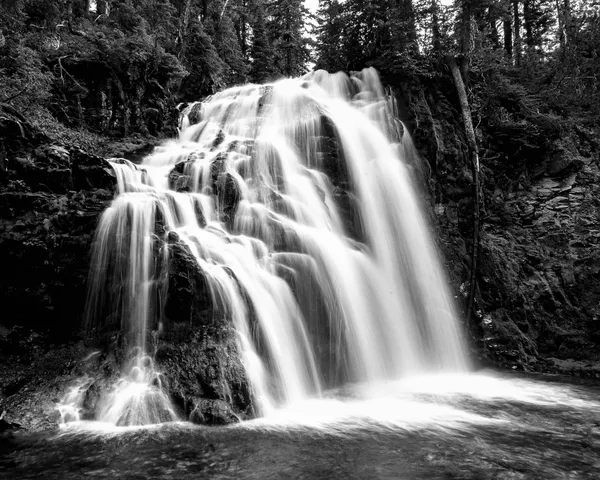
pixel 6 427
pixel 44 247
pixel 47 169
pixel 49 207
pixel 131 148
pixel 91 171
pixel 188 298
pixel 564 156
pixel 195 113
pixel 212 412
pixel 34 375
pixel 178 181
pixel 203 369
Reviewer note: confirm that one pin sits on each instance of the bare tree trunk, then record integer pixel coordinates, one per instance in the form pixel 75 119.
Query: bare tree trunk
pixel 494 33
pixel 561 25
pixel 508 37
pixel 528 19
pixel 474 165
pixel 184 22
pixel 435 26
pixel 563 11
pixel 103 7
pixel 517 32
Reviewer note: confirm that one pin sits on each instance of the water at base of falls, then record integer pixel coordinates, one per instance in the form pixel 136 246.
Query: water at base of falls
pixel 480 426
pixel 138 398
pixel 296 201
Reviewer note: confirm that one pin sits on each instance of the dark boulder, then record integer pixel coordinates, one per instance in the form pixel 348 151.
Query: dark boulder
pixel 197 348
pixel 188 300
pixel 205 375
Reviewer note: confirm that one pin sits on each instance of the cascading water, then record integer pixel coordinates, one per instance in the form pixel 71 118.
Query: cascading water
pixel 295 200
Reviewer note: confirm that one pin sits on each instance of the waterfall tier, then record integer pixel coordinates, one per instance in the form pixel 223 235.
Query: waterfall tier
pixel 297 203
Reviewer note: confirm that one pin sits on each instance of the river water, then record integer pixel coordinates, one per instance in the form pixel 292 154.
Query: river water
pixel 485 425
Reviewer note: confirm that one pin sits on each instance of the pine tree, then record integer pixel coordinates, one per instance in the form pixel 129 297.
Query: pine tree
pixel 286 29
pixel 330 17
pixel 219 26
pixel 261 53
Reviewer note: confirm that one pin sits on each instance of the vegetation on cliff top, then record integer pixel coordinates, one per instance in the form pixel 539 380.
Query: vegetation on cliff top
pixel 120 66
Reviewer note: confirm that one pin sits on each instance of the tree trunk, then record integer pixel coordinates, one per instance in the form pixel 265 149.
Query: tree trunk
pixel 494 33
pixel 466 35
pixel 474 165
pixel 137 117
pixel 435 26
pixel 528 19
pixel 184 22
pixel 563 11
pixel 508 37
pixel 561 25
pixel 517 33
pixel 103 7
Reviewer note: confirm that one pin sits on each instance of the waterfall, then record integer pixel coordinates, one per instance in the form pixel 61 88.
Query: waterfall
pixel 297 202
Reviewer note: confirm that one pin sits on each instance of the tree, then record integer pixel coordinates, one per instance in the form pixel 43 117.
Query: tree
pixel 286 27
pixel 517 45
pixel 205 66
pixel 460 77
pixel 330 35
pixel 261 53
pixel 220 28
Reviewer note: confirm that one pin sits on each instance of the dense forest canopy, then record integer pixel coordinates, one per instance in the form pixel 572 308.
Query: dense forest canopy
pixel 129 61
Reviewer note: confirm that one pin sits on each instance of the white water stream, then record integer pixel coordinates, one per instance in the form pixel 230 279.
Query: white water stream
pixel 297 202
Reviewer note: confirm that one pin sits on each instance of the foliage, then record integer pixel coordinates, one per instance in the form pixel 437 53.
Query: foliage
pixel 521 58
pixel 122 70
pixel 110 72
pixel 24 81
pixel 286 27
pixel 262 68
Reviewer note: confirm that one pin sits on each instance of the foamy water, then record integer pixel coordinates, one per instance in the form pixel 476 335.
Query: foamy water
pixel 297 203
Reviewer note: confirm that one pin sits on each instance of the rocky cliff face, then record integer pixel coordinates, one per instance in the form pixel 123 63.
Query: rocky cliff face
pixel 51 199
pixel 540 275
pixel 539 271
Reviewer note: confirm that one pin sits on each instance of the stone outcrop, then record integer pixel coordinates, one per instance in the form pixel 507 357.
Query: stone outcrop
pixel 51 197
pixel 540 277
pixel 197 349
pixel 539 267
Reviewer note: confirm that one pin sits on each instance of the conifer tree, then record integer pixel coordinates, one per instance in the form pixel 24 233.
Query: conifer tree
pixel 261 53
pixel 219 26
pixel 286 27
pixel 330 35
